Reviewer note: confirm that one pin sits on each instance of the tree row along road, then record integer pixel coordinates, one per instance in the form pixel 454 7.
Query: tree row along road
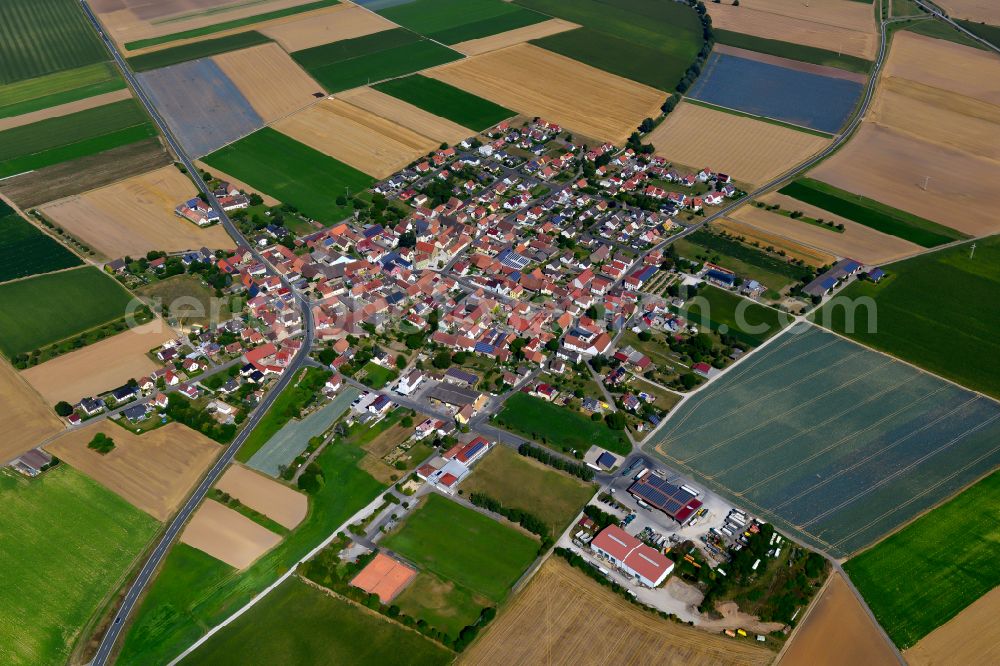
pixel 147 571
pixel 145 574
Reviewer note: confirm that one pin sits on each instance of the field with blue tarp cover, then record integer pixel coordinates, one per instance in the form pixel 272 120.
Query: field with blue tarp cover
pixel 833 442
pixel 819 102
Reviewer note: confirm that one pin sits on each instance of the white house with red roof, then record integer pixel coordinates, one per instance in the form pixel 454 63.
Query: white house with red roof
pixel 647 565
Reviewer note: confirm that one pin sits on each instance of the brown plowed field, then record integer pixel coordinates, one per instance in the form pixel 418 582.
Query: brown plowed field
pixel 749 150
pixel 227 535
pixel 971 637
pixel 563 617
pixel 775 238
pixel 27 421
pixel 153 471
pixel 982 11
pixel 275 500
pixel 65 109
pixel 834 25
pixel 332 25
pixel 85 173
pixel 269 79
pixel 363 140
pixel 136 215
pixel 837 632
pixel 512 37
pixel 536 82
pixel 420 121
pixel 99 367
pixel 933 125
pixel 857 242
pixel 268 199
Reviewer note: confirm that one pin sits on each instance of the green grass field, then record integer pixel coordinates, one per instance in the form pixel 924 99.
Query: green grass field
pixel 39 37
pixel 453 21
pixel 59 88
pixel 55 140
pixel 228 25
pixel 307 626
pixel 791 51
pixel 647 41
pixel 522 483
pixel 376 376
pixel 446 101
pixel 194 591
pixel 871 213
pixel 67 543
pixel 24 250
pixel 742 318
pixel 44 309
pixel 444 605
pixel 936 311
pixel 924 575
pixel 462 545
pixel 202 49
pixel 294 173
pixel 558 427
pixel 350 63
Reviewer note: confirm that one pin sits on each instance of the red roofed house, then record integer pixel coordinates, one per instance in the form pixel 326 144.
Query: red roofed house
pixel 635 558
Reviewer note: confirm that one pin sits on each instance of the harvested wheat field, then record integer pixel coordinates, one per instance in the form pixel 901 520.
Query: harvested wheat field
pixel 837 632
pixel 367 142
pixel 405 114
pixel 136 215
pixel 263 494
pixel 215 173
pixel 945 65
pixel 536 82
pixel 981 11
pixel 65 109
pixel 154 471
pixel 227 535
pixel 749 150
pixel 99 367
pixel 835 25
pixel 857 242
pixel 563 617
pixel 512 37
pixel 332 25
pixel 776 239
pixel 385 577
pixel 269 79
pixel 971 637
pixel 26 419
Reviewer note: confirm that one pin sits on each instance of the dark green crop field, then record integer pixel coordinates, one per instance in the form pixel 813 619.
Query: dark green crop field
pixel 926 574
pixel 202 49
pixel 39 37
pixel 446 101
pixel 648 41
pixel 558 427
pixel 350 63
pixel 292 172
pixel 453 21
pixel 79 134
pixel 25 250
pixel 59 88
pixel 725 312
pixel 871 213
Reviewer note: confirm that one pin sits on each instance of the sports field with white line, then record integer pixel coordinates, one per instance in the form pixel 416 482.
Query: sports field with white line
pixel 831 441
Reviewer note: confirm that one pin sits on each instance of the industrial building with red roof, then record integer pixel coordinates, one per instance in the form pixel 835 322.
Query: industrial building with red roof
pixel 646 564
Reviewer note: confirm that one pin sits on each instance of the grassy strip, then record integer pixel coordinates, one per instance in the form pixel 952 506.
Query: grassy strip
pixel 288 405
pixel 61 88
pixel 79 149
pixel 937 30
pixel 828 225
pixel 990 33
pixel 446 101
pixel 924 575
pixel 228 25
pixel 209 47
pixel 779 123
pixel 256 516
pixel 793 51
pixel 871 213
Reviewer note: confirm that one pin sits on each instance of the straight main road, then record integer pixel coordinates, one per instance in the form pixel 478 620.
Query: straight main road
pixel 145 575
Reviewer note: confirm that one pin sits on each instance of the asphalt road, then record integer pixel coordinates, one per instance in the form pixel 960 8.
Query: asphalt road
pixel 119 622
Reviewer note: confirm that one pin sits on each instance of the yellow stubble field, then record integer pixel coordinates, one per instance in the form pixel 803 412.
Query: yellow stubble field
pixel 981 11
pixel 339 22
pixel 971 637
pixel 405 114
pixel 270 80
pixel 512 37
pixel 26 419
pixel 536 82
pixel 275 500
pixel 227 535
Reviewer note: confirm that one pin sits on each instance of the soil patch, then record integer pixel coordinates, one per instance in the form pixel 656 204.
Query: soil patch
pixel 27 419
pixel 227 535
pixel 275 500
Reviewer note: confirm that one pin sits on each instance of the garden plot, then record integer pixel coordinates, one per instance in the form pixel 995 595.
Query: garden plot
pixel 219 116
pixel 764 89
pixel 749 150
pixel 136 215
pixel 831 441
pixel 27 421
pixel 227 535
pixel 275 500
pixel 536 82
pixel 270 80
pixel 340 22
